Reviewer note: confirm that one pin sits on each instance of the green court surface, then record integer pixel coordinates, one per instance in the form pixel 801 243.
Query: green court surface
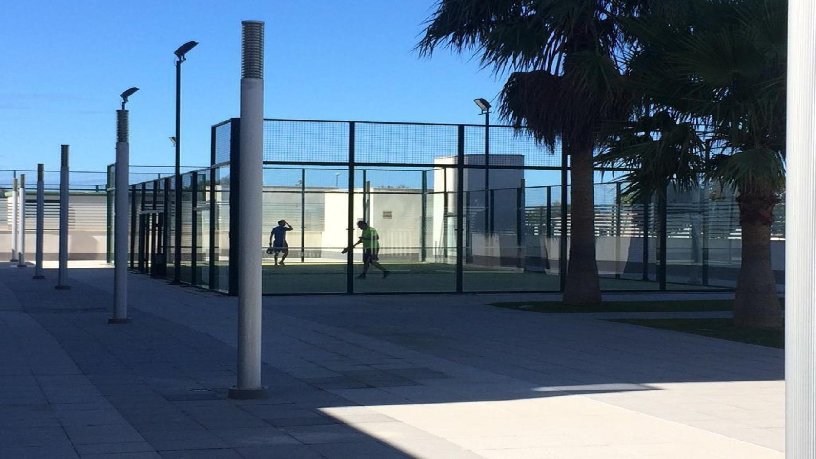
pixel 299 277
pixel 322 277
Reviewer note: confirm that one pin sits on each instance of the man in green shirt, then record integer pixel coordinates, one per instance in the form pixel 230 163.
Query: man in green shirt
pixel 371 249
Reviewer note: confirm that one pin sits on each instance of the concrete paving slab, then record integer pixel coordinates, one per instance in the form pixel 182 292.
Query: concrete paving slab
pixel 114 448
pixel 217 453
pixel 39 452
pixel 369 376
pixel 330 433
pixel 257 436
pixel 361 449
pixel 281 452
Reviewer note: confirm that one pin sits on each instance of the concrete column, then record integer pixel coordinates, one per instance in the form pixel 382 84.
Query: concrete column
pixel 21 206
pixel 62 272
pixel 800 247
pixel 250 177
pixel 13 258
pixel 120 222
pixel 38 256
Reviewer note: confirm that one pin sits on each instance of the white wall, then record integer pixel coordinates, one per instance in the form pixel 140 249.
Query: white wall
pixel 87 232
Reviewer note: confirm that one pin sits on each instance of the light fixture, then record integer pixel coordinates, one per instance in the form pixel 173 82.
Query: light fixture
pixel 127 94
pixel 184 49
pixel 483 104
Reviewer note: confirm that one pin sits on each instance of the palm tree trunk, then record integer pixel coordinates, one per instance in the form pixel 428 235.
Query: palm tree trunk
pixel 582 285
pixel 756 303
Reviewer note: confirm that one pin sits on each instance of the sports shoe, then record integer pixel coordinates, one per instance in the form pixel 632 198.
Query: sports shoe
pixel 282 264
pixel 361 276
pixel 386 274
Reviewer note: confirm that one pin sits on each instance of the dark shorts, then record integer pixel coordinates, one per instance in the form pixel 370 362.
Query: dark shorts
pixel 370 255
pixel 280 247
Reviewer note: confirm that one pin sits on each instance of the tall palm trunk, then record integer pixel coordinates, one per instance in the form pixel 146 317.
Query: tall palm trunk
pixel 756 303
pixel 582 286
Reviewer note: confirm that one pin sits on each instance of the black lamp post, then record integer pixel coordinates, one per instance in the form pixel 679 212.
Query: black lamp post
pixel 181 54
pixel 484 105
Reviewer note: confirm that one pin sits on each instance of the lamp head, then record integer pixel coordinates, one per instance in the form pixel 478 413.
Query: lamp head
pixel 483 104
pixel 173 140
pixel 184 49
pixel 127 94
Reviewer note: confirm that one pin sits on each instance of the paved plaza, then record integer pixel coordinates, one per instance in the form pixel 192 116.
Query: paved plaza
pixel 437 376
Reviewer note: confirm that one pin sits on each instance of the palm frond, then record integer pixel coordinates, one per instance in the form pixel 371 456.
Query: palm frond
pixel 657 150
pixel 759 169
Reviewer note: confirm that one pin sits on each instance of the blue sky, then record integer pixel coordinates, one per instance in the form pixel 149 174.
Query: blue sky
pixel 65 64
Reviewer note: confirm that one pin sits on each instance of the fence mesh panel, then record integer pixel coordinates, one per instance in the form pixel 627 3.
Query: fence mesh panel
pixel 508 147
pixel 223 140
pixel 306 141
pixel 419 144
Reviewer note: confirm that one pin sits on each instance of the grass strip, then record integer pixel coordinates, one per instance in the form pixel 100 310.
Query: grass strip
pixel 716 328
pixel 620 306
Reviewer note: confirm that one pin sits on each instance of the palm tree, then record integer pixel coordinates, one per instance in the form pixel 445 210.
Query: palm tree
pixel 720 65
pixel 566 81
pixel 658 150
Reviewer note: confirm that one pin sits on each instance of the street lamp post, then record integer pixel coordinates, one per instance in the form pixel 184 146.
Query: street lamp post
pixel 120 213
pixel 484 105
pixel 181 54
pixel 250 215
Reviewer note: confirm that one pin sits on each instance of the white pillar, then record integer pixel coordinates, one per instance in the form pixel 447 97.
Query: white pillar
pixel 14 220
pixel 62 272
pixel 21 209
pixel 120 220
pixel 38 255
pixel 800 247
pixel 250 177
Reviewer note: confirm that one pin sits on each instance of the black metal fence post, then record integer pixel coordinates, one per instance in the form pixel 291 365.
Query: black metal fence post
pixel 194 227
pixel 142 235
pixel 618 235
pixel 133 215
pixel 303 215
pixel 234 191
pixel 645 256
pixel 166 222
pixel 154 226
pixel 350 232
pixel 423 236
pixel 562 248
pixel 460 208
pixel 366 190
pixel 706 225
pixel 549 213
pixel 662 209
pixel 109 214
pixel 445 214
pixel 521 214
pixel 211 281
